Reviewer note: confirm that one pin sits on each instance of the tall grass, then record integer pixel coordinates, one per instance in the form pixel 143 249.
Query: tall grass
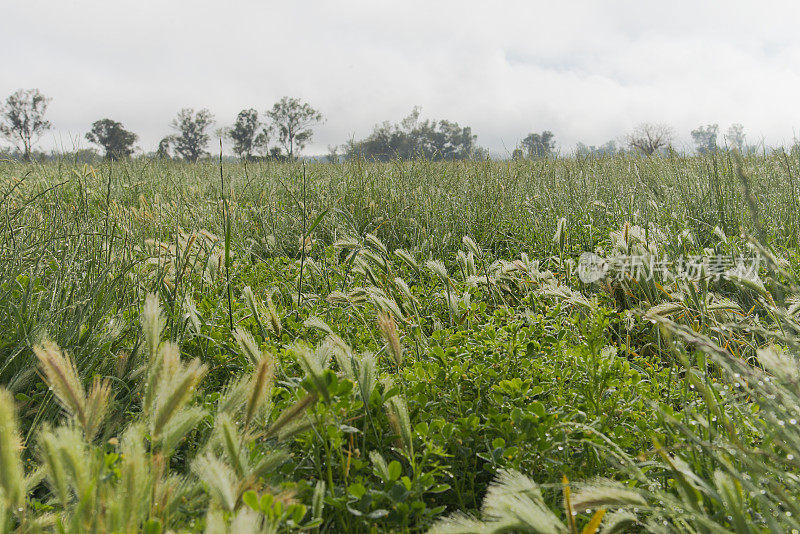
pixel 397 253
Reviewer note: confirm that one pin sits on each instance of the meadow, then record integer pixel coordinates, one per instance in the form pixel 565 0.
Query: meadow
pixel 398 347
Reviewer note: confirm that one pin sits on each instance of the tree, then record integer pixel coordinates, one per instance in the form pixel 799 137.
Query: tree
pixel 115 140
pixel 261 142
pixel 649 137
pixel 88 156
pixel 248 134
pixel 333 154
pixel 435 140
pixel 162 152
pixel 735 137
pixel 445 140
pixel 537 145
pixel 608 149
pixel 191 140
pixel 22 119
pixel 292 120
pixel 705 138
pixel 387 141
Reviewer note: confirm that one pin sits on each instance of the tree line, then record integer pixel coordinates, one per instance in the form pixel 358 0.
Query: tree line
pixel 283 131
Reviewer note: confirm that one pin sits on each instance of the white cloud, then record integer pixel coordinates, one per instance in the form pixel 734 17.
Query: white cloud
pixel 587 70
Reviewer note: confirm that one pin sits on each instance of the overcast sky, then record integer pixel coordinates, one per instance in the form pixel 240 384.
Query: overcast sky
pixel 587 70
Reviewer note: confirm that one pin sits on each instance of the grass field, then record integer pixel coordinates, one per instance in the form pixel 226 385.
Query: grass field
pixel 398 347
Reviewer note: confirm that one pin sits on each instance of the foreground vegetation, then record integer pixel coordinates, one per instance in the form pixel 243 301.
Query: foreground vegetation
pixel 397 347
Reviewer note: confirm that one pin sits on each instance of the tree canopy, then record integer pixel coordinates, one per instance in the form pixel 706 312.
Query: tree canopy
pixel 537 145
pixel 735 137
pixel 705 138
pixel 192 138
pixel 292 120
pixel 248 134
pixel 436 140
pixel 22 119
pixel 116 141
pixel 649 138
pixel 608 149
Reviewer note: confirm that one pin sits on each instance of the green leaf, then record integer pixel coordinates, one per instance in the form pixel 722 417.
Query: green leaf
pixel 251 499
pixel 298 513
pixel 356 490
pixel 537 408
pixel 394 470
pixel 422 428
pixel 316 222
pixel 153 526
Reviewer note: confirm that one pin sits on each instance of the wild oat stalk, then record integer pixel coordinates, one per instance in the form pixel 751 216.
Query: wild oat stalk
pixel 397 412
pixel 408 259
pixel 219 478
pixel 11 474
pixel 254 306
pixel 388 329
pixel 247 345
pixel 62 377
pixel 314 369
pixel 291 415
pixel 274 318
pixel 152 324
pixel 176 387
pixel 260 386
pixel 514 503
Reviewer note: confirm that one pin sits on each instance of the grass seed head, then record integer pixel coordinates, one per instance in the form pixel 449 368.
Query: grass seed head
pixel 62 378
pixel 274 318
pixel 152 324
pixel 438 268
pixel 247 345
pixel 388 329
pixel 471 246
pixel 11 473
pixel 408 259
pixel 260 385
pixel 397 413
